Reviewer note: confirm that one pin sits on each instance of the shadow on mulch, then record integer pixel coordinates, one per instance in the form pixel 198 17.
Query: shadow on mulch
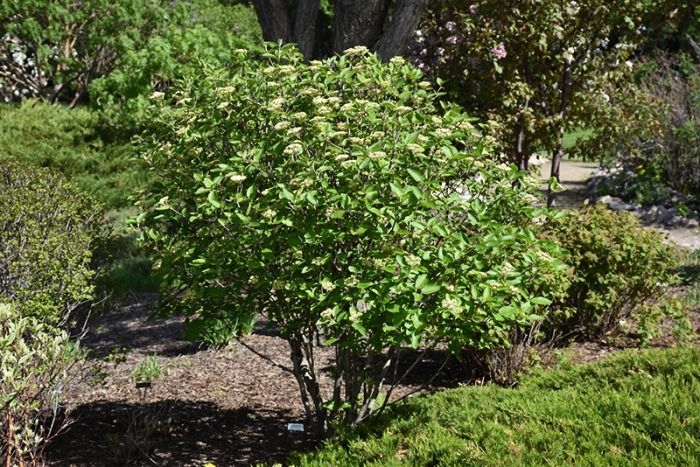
pixel 188 434
pixel 161 336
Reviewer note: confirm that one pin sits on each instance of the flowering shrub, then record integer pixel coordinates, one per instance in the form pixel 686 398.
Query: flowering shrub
pixel 35 359
pixel 336 197
pixel 541 69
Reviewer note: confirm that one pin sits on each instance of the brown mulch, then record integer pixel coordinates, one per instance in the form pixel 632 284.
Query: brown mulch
pixel 227 407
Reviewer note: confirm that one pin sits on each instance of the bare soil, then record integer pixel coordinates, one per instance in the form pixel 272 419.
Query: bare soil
pixel 229 406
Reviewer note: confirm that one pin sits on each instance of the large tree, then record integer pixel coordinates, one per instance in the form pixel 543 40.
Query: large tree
pixel 539 68
pixel 320 29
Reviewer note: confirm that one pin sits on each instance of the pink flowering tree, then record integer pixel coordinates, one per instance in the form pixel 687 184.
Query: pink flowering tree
pixel 536 69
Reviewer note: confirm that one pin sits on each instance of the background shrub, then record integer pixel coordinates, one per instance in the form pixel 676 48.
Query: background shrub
pixel 68 141
pixel 675 155
pixel 47 230
pixel 621 273
pixel 35 358
pixel 196 34
pixel 56 50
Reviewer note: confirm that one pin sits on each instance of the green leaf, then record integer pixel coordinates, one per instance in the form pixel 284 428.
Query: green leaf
pixel 212 199
pixel 330 341
pixel 430 289
pixel 415 175
pixel 250 191
pixel 421 281
pixel 396 189
pixel 284 193
pixel 311 197
pixel 541 301
pixel 359 328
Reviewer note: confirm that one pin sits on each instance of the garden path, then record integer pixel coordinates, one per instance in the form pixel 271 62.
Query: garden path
pixel 574 175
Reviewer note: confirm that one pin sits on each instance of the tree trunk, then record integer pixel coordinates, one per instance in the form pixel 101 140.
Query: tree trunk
pixel 306 25
pixel 275 20
pixel 556 163
pixel 403 25
pixel 522 142
pixel 358 23
pixel 301 347
pixel 355 23
pixel 558 153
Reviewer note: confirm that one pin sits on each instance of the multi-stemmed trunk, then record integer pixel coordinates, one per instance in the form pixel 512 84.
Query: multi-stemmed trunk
pixel 371 23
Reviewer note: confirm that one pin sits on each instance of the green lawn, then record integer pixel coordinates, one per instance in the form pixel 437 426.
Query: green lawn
pixel 638 408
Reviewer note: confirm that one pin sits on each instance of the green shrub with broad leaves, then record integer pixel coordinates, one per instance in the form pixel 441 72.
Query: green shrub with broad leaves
pixel 47 229
pixel 55 50
pixel 195 33
pixel 621 274
pixel 338 198
pixel 35 358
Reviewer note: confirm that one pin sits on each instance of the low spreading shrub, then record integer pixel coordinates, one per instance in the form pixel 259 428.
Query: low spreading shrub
pixel 35 358
pixel 621 274
pixel 47 230
pixel 68 141
pixel 639 408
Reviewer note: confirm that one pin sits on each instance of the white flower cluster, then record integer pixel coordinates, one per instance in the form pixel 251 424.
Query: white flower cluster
pixel 452 305
pixel 277 103
pixel 328 315
pixel 282 125
pixel 412 260
pixel 357 51
pixel 225 90
pixel 415 148
pixel 293 149
pixel 443 132
pixel 237 178
pixel 377 155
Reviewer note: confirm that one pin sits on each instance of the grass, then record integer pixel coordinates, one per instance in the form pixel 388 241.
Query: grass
pixel 570 140
pixel 637 408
